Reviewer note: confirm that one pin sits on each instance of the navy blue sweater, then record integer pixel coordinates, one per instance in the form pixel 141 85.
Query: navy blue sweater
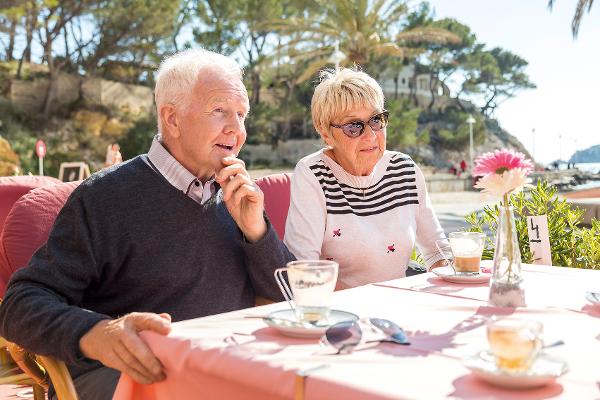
pixel 127 240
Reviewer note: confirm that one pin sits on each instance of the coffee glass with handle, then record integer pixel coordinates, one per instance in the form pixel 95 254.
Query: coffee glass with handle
pixel 462 251
pixel 311 284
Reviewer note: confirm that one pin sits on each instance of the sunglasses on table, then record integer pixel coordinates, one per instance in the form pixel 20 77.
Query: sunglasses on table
pixel 356 128
pixel 345 336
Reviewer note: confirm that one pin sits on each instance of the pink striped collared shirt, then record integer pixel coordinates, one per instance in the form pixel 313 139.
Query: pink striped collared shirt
pixel 177 175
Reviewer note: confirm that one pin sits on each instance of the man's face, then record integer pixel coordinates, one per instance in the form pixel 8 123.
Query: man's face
pixel 211 127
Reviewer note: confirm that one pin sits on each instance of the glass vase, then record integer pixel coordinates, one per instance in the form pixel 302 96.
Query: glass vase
pixel 506 284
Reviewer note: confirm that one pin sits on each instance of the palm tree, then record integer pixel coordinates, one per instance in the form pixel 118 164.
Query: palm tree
pixel 579 10
pixel 365 30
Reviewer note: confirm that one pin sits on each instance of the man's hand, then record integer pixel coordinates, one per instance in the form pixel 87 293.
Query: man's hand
pixel 116 344
pixel 243 198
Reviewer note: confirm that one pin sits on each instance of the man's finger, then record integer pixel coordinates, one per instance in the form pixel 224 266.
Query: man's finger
pixel 245 191
pixel 229 171
pixel 149 322
pixel 232 160
pixel 118 363
pixel 142 353
pixel 232 186
pixel 131 360
pixel 166 316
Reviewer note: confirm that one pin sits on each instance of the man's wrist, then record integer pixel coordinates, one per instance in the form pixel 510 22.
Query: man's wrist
pixel 256 235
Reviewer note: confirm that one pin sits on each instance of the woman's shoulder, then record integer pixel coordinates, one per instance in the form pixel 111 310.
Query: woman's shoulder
pixel 397 156
pixel 312 161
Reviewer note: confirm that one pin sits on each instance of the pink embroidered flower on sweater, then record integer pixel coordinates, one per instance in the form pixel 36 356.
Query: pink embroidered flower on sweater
pixel 391 248
pixel 337 232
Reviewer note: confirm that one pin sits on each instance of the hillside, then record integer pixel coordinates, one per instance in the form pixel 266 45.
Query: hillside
pixel 589 155
pixel 89 114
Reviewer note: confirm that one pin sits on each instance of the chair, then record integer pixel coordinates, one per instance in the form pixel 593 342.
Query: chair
pixel 26 228
pixel 276 188
pixel 13 187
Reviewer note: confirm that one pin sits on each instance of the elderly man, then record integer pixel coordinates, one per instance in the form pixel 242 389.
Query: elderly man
pixel 175 234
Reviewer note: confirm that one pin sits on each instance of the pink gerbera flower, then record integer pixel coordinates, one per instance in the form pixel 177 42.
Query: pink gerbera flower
pixel 501 161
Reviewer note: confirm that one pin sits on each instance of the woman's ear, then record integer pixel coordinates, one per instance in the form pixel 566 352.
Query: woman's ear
pixel 168 117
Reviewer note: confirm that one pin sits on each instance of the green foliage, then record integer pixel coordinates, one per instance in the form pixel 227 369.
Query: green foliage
pixel 495 75
pixel 452 131
pixel 571 245
pixel 138 139
pixel 403 123
pixel 261 124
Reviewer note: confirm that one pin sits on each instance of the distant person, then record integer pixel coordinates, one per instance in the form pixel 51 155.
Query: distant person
pixel 463 165
pixel 453 169
pixel 174 234
pixel 113 155
pixel 354 201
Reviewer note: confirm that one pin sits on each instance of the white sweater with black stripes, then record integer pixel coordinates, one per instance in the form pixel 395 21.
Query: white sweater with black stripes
pixel 368 224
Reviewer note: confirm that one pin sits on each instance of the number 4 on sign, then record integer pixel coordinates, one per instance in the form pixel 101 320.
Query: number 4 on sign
pixel 539 241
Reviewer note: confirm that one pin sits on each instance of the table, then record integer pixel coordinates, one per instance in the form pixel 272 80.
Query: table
pixel 231 356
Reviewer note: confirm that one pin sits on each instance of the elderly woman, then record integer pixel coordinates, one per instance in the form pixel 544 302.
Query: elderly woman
pixel 354 201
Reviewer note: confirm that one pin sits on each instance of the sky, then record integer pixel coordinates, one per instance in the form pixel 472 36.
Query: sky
pixel 564 110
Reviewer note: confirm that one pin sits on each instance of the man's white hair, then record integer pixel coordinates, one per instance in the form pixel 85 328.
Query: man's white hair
pixel 177 76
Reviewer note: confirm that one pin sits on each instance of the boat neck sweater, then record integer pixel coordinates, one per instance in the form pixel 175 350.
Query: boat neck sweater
pixel 126 240
pixel 368 224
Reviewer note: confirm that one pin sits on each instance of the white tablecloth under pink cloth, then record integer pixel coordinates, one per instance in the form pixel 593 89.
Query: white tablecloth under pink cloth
pixel 231 356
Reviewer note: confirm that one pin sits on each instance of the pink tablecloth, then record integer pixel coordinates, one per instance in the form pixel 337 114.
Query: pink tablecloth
pixel 230 356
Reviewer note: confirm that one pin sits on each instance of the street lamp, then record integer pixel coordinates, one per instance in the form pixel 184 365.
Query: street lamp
pixel 559 148
pixel 471 121
pixel 337 56
pixel 533 144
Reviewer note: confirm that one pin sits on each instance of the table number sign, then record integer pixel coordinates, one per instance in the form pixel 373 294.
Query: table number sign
pixel 539 241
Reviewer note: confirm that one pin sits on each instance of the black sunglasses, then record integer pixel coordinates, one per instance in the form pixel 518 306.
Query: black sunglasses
pixel 356 128
pixel 345 336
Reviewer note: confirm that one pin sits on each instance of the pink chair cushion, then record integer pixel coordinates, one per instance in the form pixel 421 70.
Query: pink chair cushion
pixel 13 187
pixel 27 226
pixel 276 188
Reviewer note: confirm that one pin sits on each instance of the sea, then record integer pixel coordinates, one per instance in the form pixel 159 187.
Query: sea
pixel 593 168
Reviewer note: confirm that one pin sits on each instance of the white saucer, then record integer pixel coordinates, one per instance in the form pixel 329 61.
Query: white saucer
pixel 544 370
pixel 284 321
pixel 448 274
pixel 593 297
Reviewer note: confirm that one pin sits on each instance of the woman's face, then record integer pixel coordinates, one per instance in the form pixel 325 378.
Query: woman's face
pixel 358 155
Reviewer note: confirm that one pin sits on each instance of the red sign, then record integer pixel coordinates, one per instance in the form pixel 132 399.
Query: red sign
pixel 40 148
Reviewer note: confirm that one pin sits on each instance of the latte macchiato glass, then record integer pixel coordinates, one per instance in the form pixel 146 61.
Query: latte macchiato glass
pixel 466 249
pixel 311 282
pixel 514 343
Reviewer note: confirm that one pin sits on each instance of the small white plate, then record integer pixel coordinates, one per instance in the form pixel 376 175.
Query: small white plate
pixel 593 297
pixel 448 274
pixel 284 321
pixel 544 370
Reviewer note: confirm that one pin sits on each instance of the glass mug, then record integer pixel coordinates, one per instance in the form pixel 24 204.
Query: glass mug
pixel 514 343
pixel 311 283
pixel 466 249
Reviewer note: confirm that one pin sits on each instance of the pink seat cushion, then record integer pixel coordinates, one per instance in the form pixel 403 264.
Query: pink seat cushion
pixel 276 188
pixel 13 187
pixel 27 226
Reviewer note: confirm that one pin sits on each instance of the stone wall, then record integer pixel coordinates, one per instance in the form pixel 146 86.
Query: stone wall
pixel 286 153
pixel 28 96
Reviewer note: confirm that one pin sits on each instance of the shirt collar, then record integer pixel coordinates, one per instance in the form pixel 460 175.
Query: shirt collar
pixel 169 167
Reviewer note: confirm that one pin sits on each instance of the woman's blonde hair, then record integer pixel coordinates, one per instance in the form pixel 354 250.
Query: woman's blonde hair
pixel 340 91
